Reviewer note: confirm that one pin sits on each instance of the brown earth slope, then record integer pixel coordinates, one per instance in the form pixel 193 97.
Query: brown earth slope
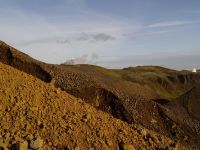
pixel 37 115
pixel 108 91
pixel 124 100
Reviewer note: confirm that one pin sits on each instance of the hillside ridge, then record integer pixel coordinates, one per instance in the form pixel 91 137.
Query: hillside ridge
pixel 37 115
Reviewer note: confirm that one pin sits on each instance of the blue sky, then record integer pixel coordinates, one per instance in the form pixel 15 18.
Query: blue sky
pixel 110 33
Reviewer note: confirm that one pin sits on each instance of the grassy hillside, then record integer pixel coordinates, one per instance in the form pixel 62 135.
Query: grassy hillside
pixel 169 84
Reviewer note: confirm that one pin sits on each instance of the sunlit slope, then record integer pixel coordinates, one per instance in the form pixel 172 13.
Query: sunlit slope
pixel 36 114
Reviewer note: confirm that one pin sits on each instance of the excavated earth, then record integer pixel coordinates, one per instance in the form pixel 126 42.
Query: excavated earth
pixel 36 115
pixel 132 102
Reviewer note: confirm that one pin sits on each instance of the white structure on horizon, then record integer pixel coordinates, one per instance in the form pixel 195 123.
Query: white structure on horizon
pixel 194 70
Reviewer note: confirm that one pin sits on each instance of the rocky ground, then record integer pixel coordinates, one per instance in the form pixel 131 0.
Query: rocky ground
pixel 36 115
pixel 133 102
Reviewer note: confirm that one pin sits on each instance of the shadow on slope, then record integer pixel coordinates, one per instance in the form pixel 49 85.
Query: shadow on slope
pixel 23 63
pixel 191 102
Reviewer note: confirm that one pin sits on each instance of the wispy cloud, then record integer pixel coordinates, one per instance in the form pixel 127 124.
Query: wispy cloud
pixel 86 27
pixel 84 59
pixel 148 34
pixel 102 37
pixel 31 29
pixel 78 60
pixel 169 60
pixel 98 37
pixel 53 32
pixel 82 37
pixel 169 24
pixel 192 11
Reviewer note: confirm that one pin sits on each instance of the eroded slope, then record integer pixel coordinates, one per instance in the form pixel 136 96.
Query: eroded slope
pixel 42 116
pixel 106 90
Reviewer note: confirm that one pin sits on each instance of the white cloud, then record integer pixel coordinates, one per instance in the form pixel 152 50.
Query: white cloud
pixel 169 24
pixel 148 34
pixel 85 32
pixel 83 37
pixel 41 36
pixel 23 29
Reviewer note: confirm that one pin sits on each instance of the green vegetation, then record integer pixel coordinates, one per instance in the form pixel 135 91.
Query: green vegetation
pixel 165 82
pixel 158 78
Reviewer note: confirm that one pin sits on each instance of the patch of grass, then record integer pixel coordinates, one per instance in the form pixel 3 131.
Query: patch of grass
pixel 156 78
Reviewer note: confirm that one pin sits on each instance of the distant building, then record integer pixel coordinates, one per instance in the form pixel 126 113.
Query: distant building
pixel 194 70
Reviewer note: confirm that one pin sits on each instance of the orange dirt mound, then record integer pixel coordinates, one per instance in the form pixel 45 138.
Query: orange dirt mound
pixel 37 115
